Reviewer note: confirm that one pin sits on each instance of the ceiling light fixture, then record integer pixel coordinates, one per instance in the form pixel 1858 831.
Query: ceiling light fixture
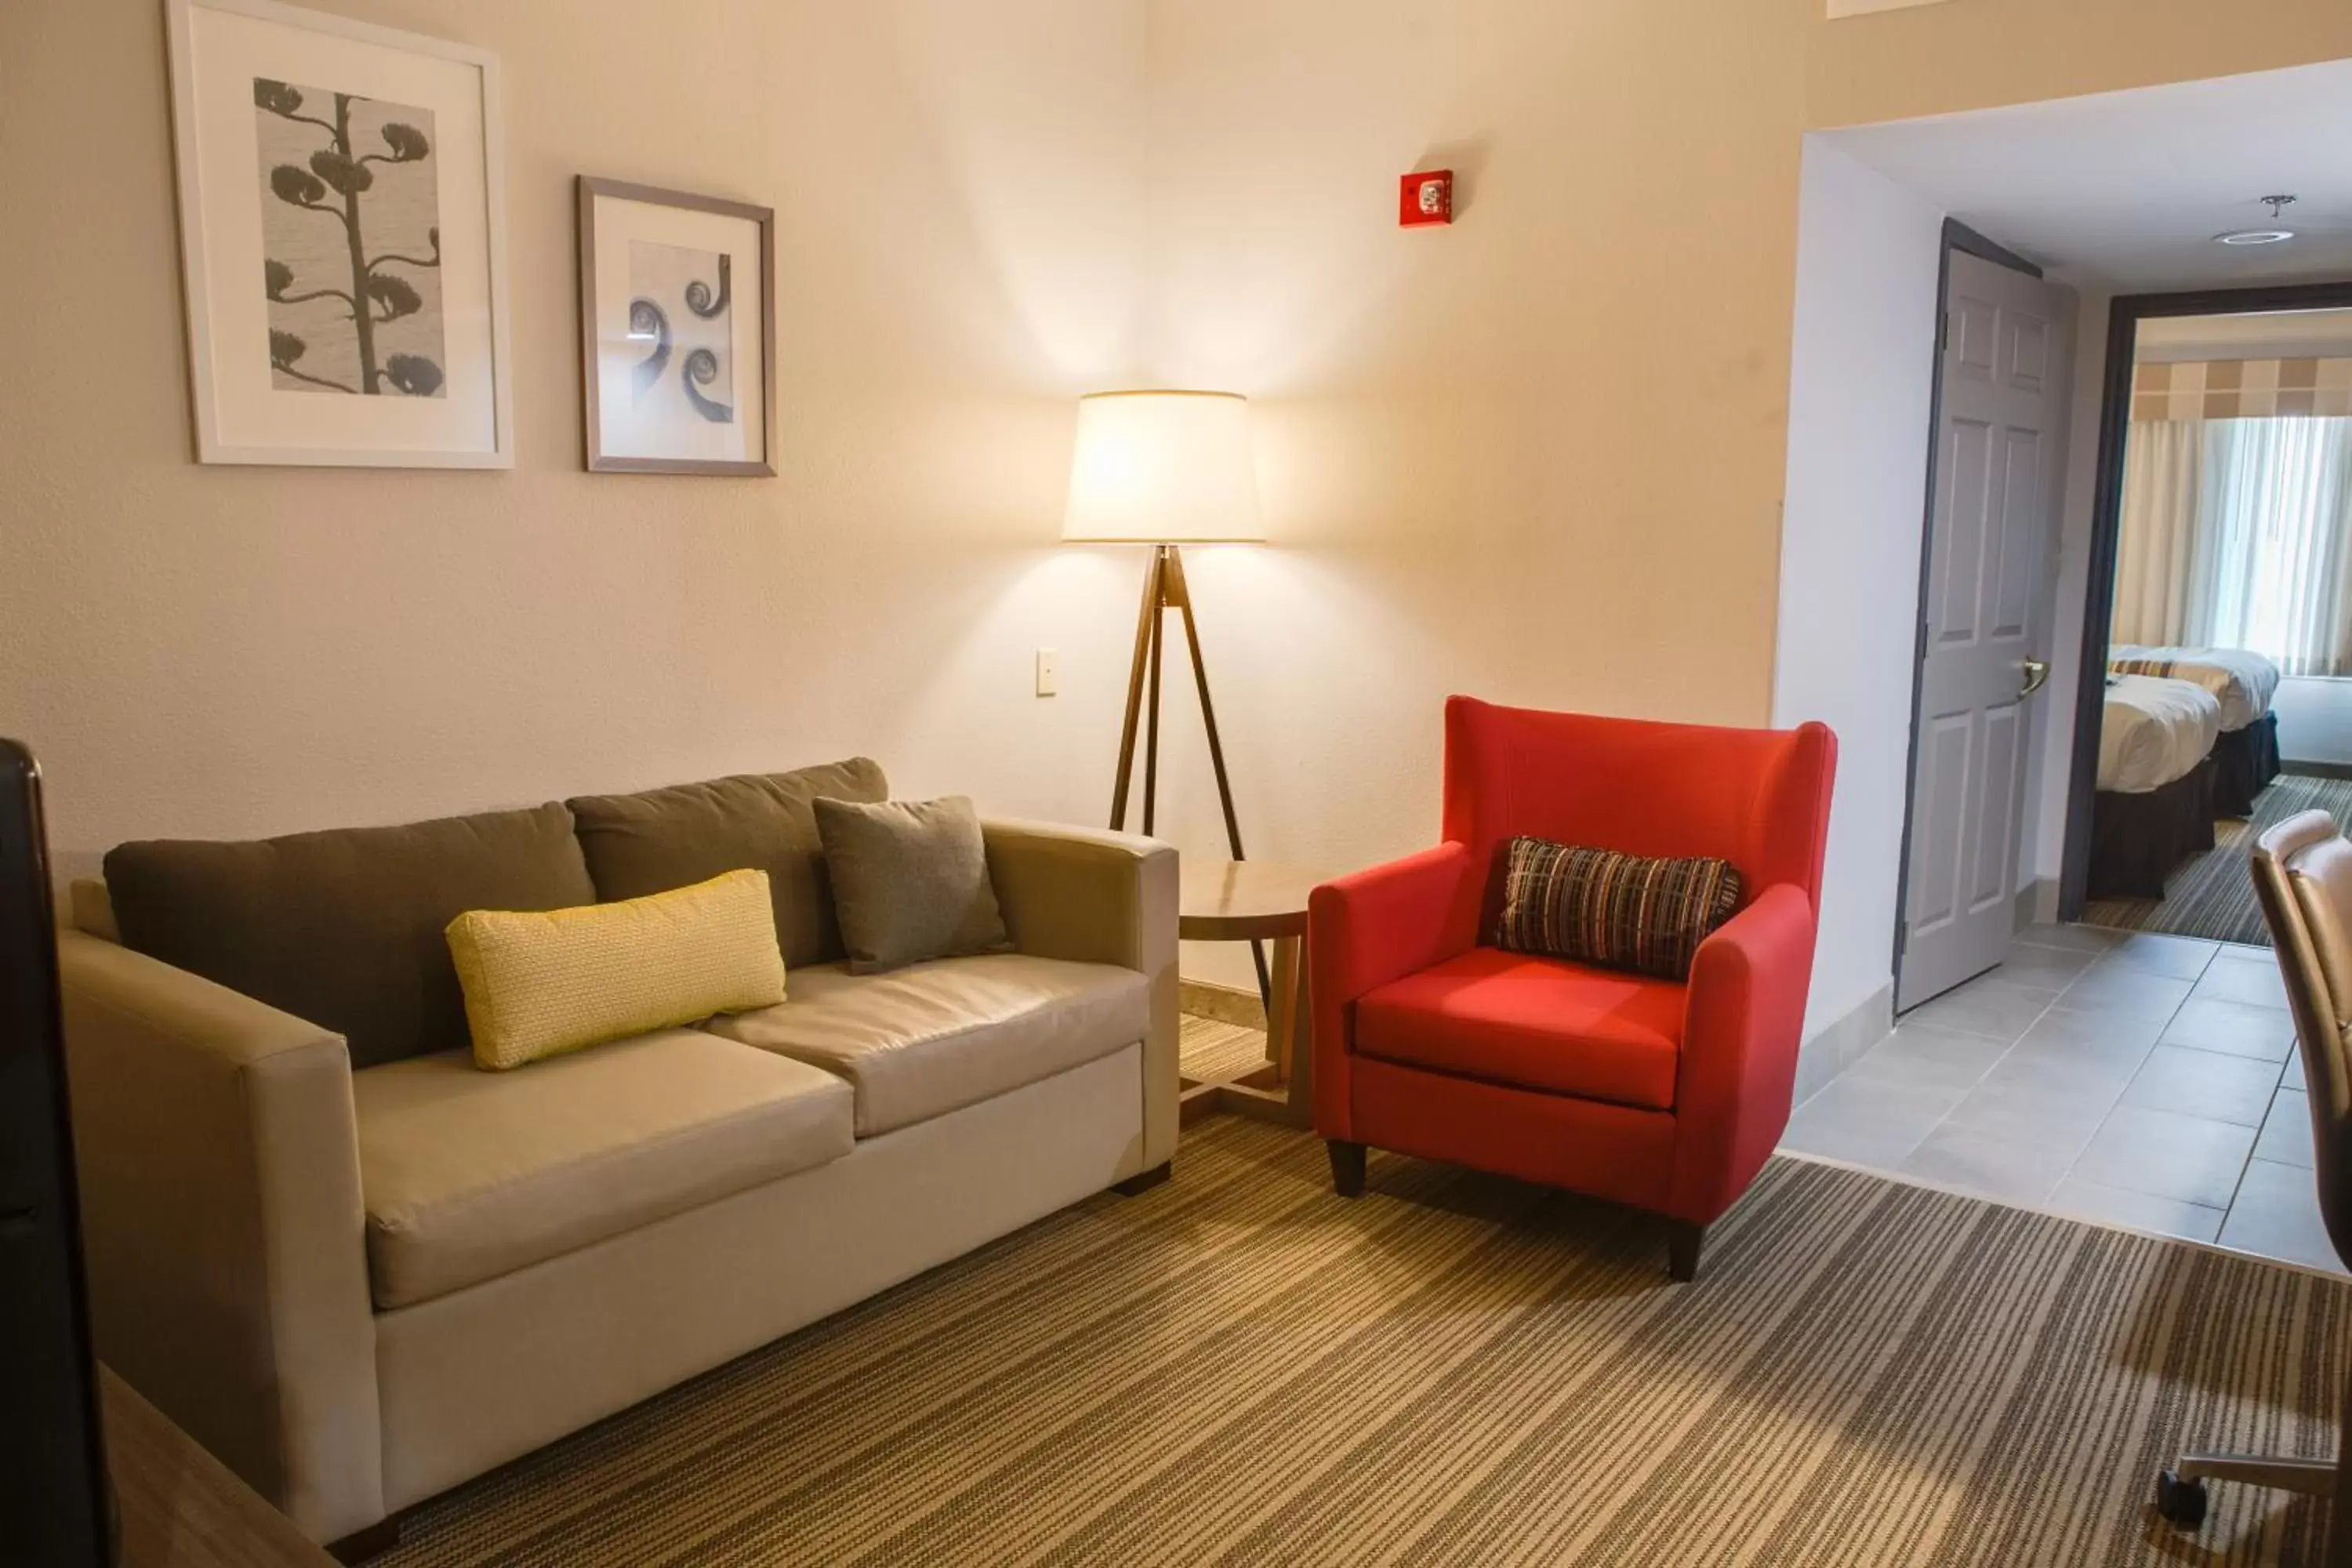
pixel 2273 236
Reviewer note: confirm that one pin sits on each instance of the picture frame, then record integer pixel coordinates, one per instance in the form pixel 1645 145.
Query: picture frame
pixel 342 241
pixel 678 332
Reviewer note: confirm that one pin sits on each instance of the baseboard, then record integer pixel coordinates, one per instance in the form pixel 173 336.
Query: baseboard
pixel 2037 904
pixel 2317 769
pixel 1838 1045
pixel 1225 1003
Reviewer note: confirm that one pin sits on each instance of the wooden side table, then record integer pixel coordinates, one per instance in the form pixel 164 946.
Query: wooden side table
pixel 1258 900
pixel 180 1507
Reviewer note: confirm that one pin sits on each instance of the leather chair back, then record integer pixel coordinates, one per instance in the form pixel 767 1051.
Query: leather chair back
pixel 2303 875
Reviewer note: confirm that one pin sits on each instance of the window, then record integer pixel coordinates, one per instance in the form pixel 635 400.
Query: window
pixel 2272 567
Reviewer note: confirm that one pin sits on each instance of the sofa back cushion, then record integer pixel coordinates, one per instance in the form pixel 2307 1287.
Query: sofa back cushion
pixel 664 838
pixel 344 928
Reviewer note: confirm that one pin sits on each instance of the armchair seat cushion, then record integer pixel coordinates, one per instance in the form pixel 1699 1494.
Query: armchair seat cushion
pixel 467 1174
pixel 936 1037
pixel 1534 1023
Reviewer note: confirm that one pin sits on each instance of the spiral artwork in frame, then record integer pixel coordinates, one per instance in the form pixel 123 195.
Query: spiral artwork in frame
pixel 677 352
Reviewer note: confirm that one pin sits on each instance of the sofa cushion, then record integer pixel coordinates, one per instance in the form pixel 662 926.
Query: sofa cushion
pixel 910 881
pixel 664 838
pixel 1533 1022
pixel 932 1038
pixel 467 1176
pixel 552 981
pixel 343 928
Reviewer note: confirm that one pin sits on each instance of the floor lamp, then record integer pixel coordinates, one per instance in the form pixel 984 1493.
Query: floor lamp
pixel 1167 469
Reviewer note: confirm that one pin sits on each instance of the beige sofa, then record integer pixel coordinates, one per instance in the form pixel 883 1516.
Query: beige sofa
pixel 360 1287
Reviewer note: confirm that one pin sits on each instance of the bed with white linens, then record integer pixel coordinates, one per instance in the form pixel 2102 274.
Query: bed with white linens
pixel 2246 757
pixel 2156 733
pixel 2243 683
pixel 2154 806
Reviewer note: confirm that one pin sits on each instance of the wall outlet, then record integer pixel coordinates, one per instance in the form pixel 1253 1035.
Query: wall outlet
pixel 1049 672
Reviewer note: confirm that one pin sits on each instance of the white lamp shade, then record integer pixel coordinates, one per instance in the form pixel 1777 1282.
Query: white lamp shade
pixel 1164 467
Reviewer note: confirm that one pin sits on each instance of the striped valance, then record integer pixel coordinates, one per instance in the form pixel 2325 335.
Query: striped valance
pixel 2244 389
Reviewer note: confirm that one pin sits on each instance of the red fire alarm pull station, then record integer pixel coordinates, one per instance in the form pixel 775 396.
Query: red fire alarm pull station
pixel 1426 199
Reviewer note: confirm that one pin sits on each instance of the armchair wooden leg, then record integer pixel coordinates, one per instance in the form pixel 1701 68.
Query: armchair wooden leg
pixel 1347 1167
pixel 1683 1241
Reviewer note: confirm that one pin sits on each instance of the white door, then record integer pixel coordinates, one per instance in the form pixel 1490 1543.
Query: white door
pixel 1997 486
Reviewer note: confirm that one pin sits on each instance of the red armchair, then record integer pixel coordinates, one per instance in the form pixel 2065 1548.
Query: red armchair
pixel 1665 1096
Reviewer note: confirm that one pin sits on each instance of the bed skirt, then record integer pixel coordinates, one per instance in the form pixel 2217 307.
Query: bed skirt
pixel 2244 761
pixel 2137 841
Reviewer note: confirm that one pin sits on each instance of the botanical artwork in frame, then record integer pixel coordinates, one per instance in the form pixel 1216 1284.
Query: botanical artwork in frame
pixel 342 232
pixel 676 331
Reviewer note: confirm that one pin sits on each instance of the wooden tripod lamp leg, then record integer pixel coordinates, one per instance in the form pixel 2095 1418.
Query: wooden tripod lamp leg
pixel 1151 717
pixel 1177 591
pixel 1163 587
pixel 1147 620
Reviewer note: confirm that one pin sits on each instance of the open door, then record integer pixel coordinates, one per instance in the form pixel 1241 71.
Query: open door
pixel 1992 509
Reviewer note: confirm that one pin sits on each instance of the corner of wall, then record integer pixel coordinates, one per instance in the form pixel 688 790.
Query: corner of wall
pixel 1863 365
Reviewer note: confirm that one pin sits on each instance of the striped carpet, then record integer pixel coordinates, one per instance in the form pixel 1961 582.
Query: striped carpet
pixel 1212 1051
pixel 1239 1368
pixel 2212 894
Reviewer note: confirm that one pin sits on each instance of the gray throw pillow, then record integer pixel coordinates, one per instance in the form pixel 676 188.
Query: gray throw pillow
pixel 674 837
pixel 910 881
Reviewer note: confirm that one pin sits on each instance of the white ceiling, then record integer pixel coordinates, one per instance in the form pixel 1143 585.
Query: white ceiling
pixel 2129 188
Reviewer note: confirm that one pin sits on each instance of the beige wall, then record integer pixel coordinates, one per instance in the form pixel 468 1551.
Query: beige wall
pixel 224 651
pixel 1538 456
pixel 1975 54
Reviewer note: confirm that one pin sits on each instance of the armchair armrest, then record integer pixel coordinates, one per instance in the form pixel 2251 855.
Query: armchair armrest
pixel 224 1230
pixel 1366 930
pixel 1099 897
pixel 1745 1021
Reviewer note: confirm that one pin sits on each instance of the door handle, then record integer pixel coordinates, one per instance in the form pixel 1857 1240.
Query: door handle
pixel 2037 676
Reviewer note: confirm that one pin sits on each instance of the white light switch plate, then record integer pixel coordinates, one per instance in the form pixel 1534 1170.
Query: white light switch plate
pixel 1049 672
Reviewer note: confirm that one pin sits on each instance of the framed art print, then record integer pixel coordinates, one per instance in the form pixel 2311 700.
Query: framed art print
pixel 342 232
pixel 677 337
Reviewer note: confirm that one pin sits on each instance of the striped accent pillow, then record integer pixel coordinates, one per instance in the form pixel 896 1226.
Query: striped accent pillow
pixel 1620 911
pixel 2162 668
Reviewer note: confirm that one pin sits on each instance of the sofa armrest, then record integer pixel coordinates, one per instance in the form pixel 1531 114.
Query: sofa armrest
pixel 1738 1068
pixel 1099 897
pixel 224 1231
pixel 1368 929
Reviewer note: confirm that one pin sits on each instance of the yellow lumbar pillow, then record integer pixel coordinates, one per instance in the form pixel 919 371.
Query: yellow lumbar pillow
pixel 539 984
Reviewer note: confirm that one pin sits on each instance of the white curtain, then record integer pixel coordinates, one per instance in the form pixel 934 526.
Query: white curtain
pixel 2238 533
pixel 2281 576
pixel 2164 481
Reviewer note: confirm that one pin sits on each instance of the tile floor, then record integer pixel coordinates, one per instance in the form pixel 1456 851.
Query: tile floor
pixel 2147 1080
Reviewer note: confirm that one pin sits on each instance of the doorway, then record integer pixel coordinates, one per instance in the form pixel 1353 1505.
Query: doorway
pixel 2144 1079
pixel 2115 195
pixel 2218 603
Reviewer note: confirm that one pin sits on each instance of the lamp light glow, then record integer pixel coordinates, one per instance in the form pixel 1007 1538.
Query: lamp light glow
pixel 1164 467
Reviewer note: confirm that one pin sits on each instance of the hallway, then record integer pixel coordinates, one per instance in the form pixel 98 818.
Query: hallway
pixel 2146 1080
